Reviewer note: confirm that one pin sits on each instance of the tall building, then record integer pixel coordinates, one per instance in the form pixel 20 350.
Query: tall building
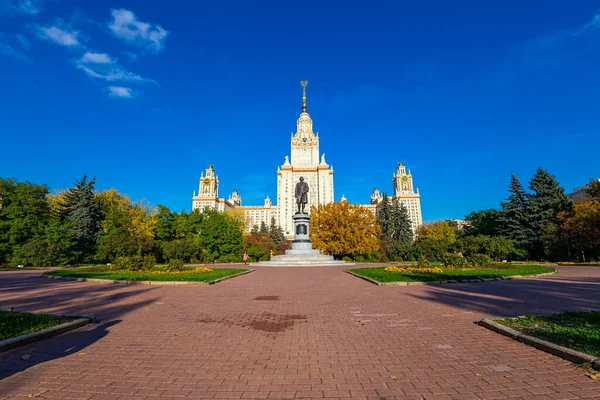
pixel 404 192
pixel 306 162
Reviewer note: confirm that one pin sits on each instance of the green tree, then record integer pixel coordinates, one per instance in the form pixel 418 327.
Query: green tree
pixel 264 230
pixel 514 217
pixel 220 235
pixel 593 190
pixel 276 233
pixel 384 218
pixel 83 214
pixel 24 214
pixel 165 224
pixel 547 200
pixel 401 224
pixel 254 229
pixel 484 222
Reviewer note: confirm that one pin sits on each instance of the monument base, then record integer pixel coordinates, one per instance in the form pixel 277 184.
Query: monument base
pixel 301 254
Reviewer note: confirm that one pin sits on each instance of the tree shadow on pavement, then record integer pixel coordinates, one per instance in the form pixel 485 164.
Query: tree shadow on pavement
pixel 518 297
pixel 104 303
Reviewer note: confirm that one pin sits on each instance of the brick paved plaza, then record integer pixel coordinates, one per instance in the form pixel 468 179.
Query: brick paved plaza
pixel 287 333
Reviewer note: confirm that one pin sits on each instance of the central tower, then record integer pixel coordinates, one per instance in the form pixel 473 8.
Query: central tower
pixel 304 150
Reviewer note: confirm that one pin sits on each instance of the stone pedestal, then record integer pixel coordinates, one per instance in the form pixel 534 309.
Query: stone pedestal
pixel 301 254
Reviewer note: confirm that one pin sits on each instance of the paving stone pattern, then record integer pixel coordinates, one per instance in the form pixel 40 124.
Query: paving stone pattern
pixel 286 333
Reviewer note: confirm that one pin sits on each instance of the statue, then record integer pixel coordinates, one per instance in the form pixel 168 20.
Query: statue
pixel 301 194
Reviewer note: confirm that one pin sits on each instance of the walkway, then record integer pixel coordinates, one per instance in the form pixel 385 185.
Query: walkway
pixel 287 333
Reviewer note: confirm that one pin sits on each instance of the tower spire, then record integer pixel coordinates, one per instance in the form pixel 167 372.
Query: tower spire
pixel 304 106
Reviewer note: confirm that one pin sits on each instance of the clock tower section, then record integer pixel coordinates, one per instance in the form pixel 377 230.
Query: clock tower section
pixel 304 143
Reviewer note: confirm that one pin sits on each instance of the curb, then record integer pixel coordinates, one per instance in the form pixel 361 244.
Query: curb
pixel 229 277
pixel 502 278
pixel 155 283
pixel 560 351
pixel 43 334
pixel 365 278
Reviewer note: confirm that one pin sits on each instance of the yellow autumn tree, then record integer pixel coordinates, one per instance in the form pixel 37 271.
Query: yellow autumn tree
pixel 341 229
pixel 440 231
pixel 120 214
pixel 239 215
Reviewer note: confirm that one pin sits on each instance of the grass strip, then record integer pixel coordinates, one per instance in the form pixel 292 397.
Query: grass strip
pixel 117 275
pixel 379 274
pixel 14 323
pixel 576 330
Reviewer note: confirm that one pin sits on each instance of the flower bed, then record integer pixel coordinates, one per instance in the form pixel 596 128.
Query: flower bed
pixel 411 274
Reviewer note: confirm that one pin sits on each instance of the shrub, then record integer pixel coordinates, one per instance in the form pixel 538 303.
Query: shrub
pixel 453 260
pixel 174 265
pixel 480 260
pixel 423 262
pixel 135 263
pixel 347 259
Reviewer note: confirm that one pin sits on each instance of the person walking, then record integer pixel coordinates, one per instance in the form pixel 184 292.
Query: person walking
pixel 272 253
pixel 245 257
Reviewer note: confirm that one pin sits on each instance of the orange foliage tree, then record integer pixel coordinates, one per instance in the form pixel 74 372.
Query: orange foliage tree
pixel 341 229
pixel 582 229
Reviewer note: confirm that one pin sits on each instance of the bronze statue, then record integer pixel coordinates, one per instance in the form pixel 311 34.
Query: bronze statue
pixel 301 194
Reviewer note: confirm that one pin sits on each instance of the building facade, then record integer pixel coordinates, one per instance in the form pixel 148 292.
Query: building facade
pixel 305 161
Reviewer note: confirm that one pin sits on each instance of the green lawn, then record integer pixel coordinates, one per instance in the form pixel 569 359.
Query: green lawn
pixel 105 273
pixel 577 330
pixel 13 323
pixel 380 275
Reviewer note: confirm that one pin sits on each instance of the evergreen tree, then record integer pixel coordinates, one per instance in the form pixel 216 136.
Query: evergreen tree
pixel 384 218
pixel 254 229
pixel 264 230
pixel 82 212
pixel 593 190
pixel 401 224
pixel 514 218
pixel 24 214
pixel 276 233
pixel 545 203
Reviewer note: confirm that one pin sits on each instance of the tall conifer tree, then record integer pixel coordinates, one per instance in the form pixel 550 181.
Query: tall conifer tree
pixel 82 212
pixel 384 218
pixel 547 200
pixel 402 227
pixel 514 218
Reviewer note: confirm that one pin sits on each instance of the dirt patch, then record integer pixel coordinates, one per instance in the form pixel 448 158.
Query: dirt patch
pixel 275 323
pixel 267 298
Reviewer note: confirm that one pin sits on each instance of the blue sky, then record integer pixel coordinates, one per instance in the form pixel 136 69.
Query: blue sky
pixel 144 95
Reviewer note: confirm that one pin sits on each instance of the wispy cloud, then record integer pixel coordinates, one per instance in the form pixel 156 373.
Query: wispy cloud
pixel 131 56
pixel 96 58
pixel 592 25
pixel 126 26
pixel 6 49
pixel 23 41
pixel 113 73
pixel 59 35
pixel 31 7
pixel 120 91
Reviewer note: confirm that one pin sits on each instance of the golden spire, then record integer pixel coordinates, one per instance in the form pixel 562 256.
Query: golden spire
pixel 304 106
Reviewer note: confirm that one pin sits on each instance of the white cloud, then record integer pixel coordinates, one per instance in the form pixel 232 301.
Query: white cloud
pixel 63 37
pixel 96 58
pixel 31 7
pixel 593 24
pixel 23 41
pixel 125 25
pixel 120 91
pixel 114 73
